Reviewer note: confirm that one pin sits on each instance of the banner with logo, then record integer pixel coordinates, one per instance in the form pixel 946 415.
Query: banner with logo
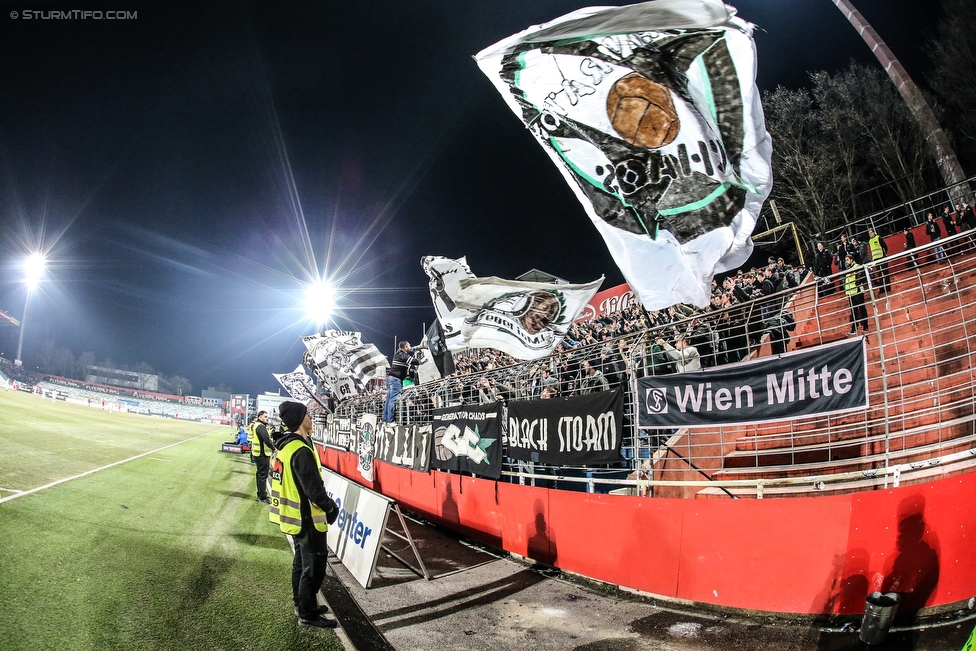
pixel 827 379
pixel 366 436
pixel 356 534
pixel 609 301
pixel 652 115
pixel 577 431
pixel 338 433
pixel 407 447
pixel 468 439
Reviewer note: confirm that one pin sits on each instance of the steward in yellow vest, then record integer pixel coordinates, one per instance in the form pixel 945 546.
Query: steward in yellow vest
pixel 852 284
pixel 854 289
pixel 302 509
pixel 261 448
pixel 879 250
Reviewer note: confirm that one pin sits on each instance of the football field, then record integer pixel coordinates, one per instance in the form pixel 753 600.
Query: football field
pixel 120 531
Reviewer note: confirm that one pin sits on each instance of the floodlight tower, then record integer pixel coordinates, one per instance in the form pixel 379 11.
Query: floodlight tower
pixel 320 301
pixel 33 271
pixel 952 173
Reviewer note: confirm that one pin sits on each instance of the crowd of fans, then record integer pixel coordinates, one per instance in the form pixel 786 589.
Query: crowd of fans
pixel 605 352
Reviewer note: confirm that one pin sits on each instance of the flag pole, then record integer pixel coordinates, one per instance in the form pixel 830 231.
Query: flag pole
pixel 311 392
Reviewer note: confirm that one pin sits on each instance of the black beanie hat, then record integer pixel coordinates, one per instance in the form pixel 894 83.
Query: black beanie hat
pixel 292 414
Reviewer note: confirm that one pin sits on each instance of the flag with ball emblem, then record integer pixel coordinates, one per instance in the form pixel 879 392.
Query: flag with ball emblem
pixel 652 114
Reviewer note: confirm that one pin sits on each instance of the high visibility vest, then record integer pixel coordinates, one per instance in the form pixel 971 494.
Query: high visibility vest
pixel 286 502
pixel 876 251
pixel 257 447
pixel 850 281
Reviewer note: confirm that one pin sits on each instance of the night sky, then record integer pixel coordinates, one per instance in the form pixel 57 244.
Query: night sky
pixel 177 165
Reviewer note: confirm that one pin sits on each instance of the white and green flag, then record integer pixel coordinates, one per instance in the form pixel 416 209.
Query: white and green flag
pixel 652 114
pixel 525 320
pixel 445 276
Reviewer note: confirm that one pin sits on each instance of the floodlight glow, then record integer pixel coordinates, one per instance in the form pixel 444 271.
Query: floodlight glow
pixel 319 301
pixel 34 270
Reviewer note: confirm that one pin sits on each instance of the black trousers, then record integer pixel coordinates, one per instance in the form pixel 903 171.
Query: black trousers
pixel 859 313
pixel 308 570
pixel 262 465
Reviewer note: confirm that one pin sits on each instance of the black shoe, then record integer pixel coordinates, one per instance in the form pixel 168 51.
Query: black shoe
pixel 264 500
pixel 318 622
pixel 319 610
pixel 852 334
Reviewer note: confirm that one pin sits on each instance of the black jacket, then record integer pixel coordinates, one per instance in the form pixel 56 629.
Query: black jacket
pixel 402 362
pixel 310 486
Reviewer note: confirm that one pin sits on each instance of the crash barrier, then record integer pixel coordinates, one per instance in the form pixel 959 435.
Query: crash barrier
pixel 918 425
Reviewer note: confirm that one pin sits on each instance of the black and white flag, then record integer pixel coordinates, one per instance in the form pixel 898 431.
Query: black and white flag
pixel 651 113
pixel 445 276
pixel 298 384
pixel 342 361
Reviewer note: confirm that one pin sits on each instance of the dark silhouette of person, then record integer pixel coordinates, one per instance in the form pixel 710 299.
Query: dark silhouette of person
pixel 541 548
pixel 914 570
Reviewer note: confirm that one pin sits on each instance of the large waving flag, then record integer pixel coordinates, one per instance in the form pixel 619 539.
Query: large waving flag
pixel 525 320
pixel 652 115
pixel 445 277
pixel 298 384
pixel 342 361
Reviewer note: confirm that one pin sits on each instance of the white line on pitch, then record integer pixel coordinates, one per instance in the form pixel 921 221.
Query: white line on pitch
pixel 111 465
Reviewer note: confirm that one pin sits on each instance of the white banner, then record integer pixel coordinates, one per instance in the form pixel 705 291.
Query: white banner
pixel 525 320
pixel 356 534
pixel 445 277
pixel 366 435
pixel 652 115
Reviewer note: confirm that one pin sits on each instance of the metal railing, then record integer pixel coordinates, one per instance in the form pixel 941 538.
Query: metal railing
pixel 906 214
pixel 919 423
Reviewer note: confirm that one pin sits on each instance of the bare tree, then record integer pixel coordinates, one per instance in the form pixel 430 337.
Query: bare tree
pixel 843 149
pixel 804 168
pixel 953 55
pixel 85 360
pixel 181 385
pixel 63 362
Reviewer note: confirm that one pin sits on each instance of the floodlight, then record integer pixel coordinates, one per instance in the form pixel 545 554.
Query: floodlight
pixel 34 269
pixel 319 301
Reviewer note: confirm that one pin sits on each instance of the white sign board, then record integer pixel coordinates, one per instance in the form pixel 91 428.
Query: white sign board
pixel 356 534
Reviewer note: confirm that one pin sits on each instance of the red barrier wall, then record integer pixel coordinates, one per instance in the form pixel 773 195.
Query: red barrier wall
pixel 807 555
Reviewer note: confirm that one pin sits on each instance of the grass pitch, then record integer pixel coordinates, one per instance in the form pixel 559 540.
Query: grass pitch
pixel 166 551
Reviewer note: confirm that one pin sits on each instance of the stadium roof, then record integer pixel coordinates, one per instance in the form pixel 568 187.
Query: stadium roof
pixel 536 276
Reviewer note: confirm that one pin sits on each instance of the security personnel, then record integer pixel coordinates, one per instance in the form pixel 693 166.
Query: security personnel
pixel 854 288
pixel 879 250
pixel 261 448
pixel 302 509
